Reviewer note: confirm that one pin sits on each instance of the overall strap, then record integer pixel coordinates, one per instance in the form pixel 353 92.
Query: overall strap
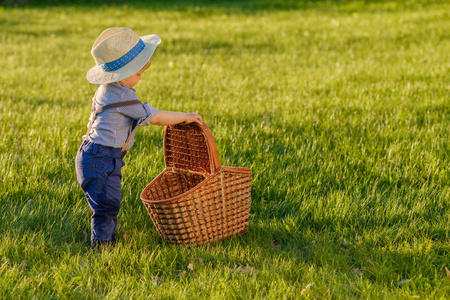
pixel 133 127
pixel 117 104
pixel 94 113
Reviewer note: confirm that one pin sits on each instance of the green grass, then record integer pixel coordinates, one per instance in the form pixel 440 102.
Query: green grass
pixel 341 109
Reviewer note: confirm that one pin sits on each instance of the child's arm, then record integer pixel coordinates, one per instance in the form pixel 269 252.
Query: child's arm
pixel 173 117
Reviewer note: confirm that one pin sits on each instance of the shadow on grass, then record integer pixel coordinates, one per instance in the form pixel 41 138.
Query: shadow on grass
pixel 174 4
pixel 206 7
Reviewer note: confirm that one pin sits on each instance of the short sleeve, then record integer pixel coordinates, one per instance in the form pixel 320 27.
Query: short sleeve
pixel 151 112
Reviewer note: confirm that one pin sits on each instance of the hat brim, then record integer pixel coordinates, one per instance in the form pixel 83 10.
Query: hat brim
pixel 97 76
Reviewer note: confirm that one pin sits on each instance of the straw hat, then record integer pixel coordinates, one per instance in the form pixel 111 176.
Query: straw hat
pixel 119 53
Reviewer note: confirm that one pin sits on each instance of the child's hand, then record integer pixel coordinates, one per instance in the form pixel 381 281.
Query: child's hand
pixel 173 117
pixel 194 117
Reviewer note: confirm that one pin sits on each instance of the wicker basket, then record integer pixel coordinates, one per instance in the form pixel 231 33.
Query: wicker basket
pixel 195 200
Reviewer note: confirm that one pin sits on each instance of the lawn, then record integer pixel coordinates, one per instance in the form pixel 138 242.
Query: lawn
pixel 340 108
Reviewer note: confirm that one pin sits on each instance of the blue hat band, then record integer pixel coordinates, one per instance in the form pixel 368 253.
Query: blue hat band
pixel 125 59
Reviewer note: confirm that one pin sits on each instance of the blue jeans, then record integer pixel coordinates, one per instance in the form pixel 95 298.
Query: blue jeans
pixel 99 175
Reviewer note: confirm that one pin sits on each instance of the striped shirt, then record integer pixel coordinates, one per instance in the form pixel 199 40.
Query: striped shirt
pixel 112 127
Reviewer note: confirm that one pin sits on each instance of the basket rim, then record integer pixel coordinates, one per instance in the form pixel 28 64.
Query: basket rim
pixel 211 145
pixel 198 186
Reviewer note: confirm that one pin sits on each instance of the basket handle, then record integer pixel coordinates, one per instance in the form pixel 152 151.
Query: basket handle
pixel 214 155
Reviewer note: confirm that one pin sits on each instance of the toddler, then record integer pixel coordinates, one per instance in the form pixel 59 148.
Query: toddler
pixel 121 57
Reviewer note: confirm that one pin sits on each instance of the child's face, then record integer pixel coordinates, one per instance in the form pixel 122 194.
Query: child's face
pixel 134 79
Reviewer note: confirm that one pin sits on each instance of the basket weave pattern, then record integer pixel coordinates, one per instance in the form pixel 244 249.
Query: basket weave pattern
pixel 195 200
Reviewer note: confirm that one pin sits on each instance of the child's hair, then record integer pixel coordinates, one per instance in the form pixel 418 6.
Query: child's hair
pixel 145 67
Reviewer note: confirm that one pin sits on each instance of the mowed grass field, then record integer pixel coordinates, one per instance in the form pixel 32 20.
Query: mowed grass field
pixel 340 108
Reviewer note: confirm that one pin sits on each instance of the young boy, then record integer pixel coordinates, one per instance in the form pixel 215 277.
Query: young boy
pixel 121 57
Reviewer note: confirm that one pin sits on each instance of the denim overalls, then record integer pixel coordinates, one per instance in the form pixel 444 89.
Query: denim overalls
pixel 99 175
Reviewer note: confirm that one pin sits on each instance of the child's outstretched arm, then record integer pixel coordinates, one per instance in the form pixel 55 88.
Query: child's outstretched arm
pixel 173 117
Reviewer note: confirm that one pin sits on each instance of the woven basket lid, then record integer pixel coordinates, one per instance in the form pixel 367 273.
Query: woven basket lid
pixel 190 147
